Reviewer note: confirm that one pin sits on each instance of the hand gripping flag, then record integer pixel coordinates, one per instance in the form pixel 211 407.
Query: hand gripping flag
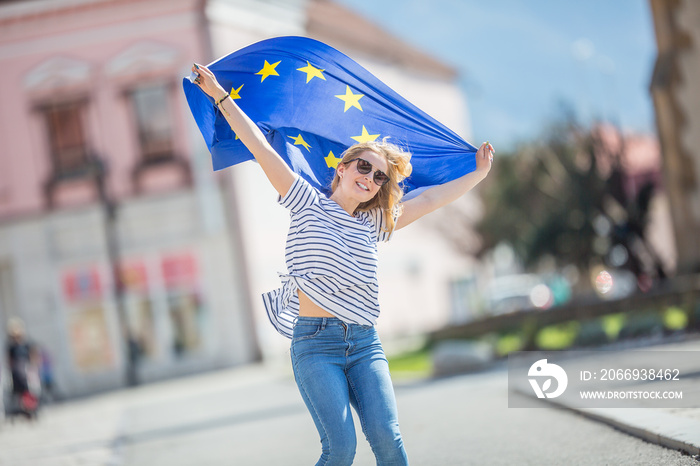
pixel 312 102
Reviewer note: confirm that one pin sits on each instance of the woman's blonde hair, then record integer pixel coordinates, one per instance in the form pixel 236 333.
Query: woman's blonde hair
pixel 389 195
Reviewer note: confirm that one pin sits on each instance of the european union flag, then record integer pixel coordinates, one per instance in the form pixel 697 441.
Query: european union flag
pixel 312 102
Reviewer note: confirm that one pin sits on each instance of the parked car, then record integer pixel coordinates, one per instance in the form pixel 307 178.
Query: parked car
pixel 515 293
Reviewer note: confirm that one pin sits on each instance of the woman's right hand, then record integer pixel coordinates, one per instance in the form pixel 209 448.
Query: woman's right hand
pixel 207 82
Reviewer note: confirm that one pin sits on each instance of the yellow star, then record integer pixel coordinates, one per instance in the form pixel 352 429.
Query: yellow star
pixel 268 70
pixel 312 72
pixel 365 137
pixel 350 99
pixel 299 141
pixel 234 92
pixel 332 161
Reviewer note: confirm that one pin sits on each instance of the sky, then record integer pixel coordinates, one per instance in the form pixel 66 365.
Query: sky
pixel 520 61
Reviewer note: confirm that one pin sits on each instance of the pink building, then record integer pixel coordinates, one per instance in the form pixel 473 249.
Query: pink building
pixel 91 86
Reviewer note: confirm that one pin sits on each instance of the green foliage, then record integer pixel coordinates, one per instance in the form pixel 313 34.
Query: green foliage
pixel 509 343
pixel 591 333
pixel 557 337
pixel 415 363
pixel 675 319
pixel 612 324
pixel 545 198
pixel 642 324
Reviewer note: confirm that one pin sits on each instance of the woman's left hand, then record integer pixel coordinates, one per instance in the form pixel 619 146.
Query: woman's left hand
pixel 207 82
pixel 484 158
pixel 441 195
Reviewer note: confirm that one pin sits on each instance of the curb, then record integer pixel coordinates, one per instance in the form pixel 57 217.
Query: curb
pixel 660 428
pixel 650 424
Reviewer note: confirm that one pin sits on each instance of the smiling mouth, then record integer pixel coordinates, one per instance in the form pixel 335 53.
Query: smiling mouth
pixel 362 186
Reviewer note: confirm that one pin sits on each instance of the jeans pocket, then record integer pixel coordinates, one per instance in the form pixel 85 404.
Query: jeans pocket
pixel 305 331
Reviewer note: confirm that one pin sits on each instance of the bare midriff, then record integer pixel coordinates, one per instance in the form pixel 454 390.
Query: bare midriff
pixel 308 308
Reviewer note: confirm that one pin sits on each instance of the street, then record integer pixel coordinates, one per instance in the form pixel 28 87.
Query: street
pixel 254 416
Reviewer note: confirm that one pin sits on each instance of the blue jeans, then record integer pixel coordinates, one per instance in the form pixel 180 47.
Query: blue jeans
pixel 337 365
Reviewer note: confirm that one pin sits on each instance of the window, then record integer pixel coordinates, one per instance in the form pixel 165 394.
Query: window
pixel 186 315
pixel 186 308
pixel 66 136
pixel 153 117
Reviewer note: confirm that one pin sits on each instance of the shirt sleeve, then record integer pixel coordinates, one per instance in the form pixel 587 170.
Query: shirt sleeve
pixel 380 227
pixel 300 196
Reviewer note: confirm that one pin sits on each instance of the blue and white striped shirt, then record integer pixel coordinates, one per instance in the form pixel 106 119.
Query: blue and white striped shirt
pixel 331 257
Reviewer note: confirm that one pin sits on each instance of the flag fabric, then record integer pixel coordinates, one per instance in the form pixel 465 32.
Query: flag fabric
pixel 312 102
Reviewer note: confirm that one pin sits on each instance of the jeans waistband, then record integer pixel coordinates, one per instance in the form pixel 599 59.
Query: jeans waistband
pixel 323 321
pixel 328 322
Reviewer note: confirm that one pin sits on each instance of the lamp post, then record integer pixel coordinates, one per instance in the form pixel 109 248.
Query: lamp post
pixel 129 344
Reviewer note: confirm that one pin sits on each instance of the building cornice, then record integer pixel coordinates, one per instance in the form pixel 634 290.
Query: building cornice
pixel 37 10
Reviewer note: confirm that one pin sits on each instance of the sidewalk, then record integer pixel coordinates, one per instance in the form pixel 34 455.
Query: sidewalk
pixel 93 430
pixel 674 428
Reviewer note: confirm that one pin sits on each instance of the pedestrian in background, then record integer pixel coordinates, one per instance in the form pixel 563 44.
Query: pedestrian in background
pixel 331 288
pixel 2 392
pixel 46 376
pixel 23 361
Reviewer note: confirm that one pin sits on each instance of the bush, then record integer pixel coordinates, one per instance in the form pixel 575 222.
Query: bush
pixel 557 337
pixel 592 333
pixel 642 325
pixel 675 319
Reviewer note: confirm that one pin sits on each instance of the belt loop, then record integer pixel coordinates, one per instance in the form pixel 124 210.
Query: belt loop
pixel 324 321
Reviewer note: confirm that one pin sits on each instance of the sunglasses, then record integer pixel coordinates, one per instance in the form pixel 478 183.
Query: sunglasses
pixel 364 167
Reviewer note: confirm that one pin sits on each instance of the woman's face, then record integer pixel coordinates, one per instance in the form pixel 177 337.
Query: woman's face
pixel 359 186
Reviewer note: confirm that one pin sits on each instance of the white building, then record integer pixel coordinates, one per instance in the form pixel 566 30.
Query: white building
pixel 418 265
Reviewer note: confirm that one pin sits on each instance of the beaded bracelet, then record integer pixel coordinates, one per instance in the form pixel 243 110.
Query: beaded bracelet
pixel 221 107
pixel 221 100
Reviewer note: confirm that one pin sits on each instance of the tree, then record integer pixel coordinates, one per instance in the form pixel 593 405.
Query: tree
pixel 564 197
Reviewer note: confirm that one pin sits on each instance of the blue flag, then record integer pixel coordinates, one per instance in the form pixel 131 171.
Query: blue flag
pixel 312 102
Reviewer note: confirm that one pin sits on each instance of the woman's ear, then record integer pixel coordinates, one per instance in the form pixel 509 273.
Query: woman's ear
pixel 340 170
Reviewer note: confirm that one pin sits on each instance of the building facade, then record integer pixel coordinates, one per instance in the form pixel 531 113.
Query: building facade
pixel 115 234
pixel 418 265
pixel 116 240
pixel 676 95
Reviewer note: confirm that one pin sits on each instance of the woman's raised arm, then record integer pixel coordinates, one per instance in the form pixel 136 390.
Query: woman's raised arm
pixel 439 196
pixel 276 170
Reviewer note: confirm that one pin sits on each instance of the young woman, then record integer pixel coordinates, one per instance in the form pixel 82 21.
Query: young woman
pixel 328 304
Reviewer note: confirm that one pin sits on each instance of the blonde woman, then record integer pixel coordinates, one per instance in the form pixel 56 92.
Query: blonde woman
pixel 328 304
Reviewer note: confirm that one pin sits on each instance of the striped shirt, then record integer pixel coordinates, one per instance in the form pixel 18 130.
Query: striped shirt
pixel 331 257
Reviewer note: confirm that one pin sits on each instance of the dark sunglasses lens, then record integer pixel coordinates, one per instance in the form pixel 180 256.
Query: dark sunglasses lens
pixel 380 179
pixel 363 166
